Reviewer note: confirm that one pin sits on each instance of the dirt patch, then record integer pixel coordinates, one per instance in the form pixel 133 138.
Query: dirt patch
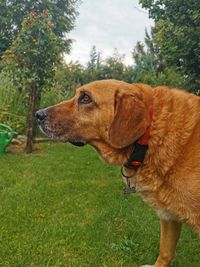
pixel 20 148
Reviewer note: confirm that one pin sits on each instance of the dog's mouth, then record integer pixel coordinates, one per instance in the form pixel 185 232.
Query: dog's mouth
pixel 44 127
pixel 77 143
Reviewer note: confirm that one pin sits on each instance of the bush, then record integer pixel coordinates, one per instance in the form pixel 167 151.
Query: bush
pixel 12 109
pixel 51 97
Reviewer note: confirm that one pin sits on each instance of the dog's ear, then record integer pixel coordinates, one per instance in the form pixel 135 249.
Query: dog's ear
pixel 129 121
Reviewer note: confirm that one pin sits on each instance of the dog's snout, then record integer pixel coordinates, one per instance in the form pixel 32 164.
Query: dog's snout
pixel 41 115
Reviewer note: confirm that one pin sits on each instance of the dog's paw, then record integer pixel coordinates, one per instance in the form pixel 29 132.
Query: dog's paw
pixel 146 266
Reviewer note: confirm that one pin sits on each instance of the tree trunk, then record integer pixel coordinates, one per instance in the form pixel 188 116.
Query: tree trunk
pixel 31 119
pixel 38 98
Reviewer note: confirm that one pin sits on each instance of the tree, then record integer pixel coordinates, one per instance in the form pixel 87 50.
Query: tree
pixel 150 67
pixel 68 77
pixel 114 66
pixel 145 68
pixel 94 60
pixel 32 61
pixel 177 29
pixel 94 65
pixel 12 13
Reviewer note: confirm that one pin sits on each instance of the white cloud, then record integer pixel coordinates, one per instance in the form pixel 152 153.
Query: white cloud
pixel 108 24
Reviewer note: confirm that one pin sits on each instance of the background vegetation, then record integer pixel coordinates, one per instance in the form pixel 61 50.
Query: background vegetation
pixel 32 44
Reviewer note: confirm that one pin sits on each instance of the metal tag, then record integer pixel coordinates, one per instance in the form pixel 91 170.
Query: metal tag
pixel 128 190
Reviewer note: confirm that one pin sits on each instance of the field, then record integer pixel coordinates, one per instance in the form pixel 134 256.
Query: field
pixel 63 206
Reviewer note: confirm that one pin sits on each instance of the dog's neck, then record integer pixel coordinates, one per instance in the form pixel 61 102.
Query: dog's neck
pixel 127 156
pixel 112 155
pixel 140 146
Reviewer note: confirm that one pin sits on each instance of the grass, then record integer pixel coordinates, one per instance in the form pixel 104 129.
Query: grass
pixel 65 207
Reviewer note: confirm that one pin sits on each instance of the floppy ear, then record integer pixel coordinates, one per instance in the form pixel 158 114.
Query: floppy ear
pixel 129 121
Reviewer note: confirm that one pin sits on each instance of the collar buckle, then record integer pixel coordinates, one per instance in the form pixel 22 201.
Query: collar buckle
pixel 137 157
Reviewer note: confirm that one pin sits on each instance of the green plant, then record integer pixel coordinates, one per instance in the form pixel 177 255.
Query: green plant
pixel 51 97
pixel 31 62
pixel 12 108
pixel 63 14
pixel 177 27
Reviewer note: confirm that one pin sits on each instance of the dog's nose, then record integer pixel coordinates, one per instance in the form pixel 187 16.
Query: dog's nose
pixel 41 115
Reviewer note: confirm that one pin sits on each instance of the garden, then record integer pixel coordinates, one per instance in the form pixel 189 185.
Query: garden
pixel 61 205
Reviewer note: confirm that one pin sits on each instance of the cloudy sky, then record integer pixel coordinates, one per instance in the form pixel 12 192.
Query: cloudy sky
pixel 108 24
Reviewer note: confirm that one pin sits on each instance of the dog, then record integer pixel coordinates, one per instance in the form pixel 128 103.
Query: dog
pixel 153 133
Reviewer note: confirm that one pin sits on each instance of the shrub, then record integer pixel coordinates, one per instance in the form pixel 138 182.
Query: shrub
pixel 12 108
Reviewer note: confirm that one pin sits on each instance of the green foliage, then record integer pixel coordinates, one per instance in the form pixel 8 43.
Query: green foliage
pixel 94 60
pixel 12 110
pixel 34 53
pixel 51 97
pixel 171 77
pixel 68 77
pixel 13 12
pixel 35 33
pixel 16 122
pixel 31 61
pixel 150 67
pixel 93 70
pixel 177 31
pixel 112 67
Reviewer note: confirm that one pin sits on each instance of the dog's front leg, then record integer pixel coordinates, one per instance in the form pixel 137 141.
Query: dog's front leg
pixel 169 235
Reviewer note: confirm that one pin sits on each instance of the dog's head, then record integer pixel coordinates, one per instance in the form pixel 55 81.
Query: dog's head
pixel 108 112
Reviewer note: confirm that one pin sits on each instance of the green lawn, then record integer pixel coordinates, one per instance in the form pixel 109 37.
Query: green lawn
pixel 65 207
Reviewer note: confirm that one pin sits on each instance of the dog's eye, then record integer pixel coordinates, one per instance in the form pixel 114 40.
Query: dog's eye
pixel 84 99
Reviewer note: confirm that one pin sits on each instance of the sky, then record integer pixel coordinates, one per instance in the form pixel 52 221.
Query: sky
pixel 108 24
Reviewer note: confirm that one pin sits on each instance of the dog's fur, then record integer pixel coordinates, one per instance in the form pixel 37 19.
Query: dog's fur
pixel 169 178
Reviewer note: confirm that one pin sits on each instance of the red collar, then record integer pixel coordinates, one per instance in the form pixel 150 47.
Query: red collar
pixel 141 145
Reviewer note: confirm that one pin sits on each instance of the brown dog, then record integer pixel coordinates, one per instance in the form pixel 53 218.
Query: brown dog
pixel 112 116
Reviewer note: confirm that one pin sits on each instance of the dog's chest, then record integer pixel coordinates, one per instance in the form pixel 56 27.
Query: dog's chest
pixel 165 215
pixel 149 193
pixel 161 212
